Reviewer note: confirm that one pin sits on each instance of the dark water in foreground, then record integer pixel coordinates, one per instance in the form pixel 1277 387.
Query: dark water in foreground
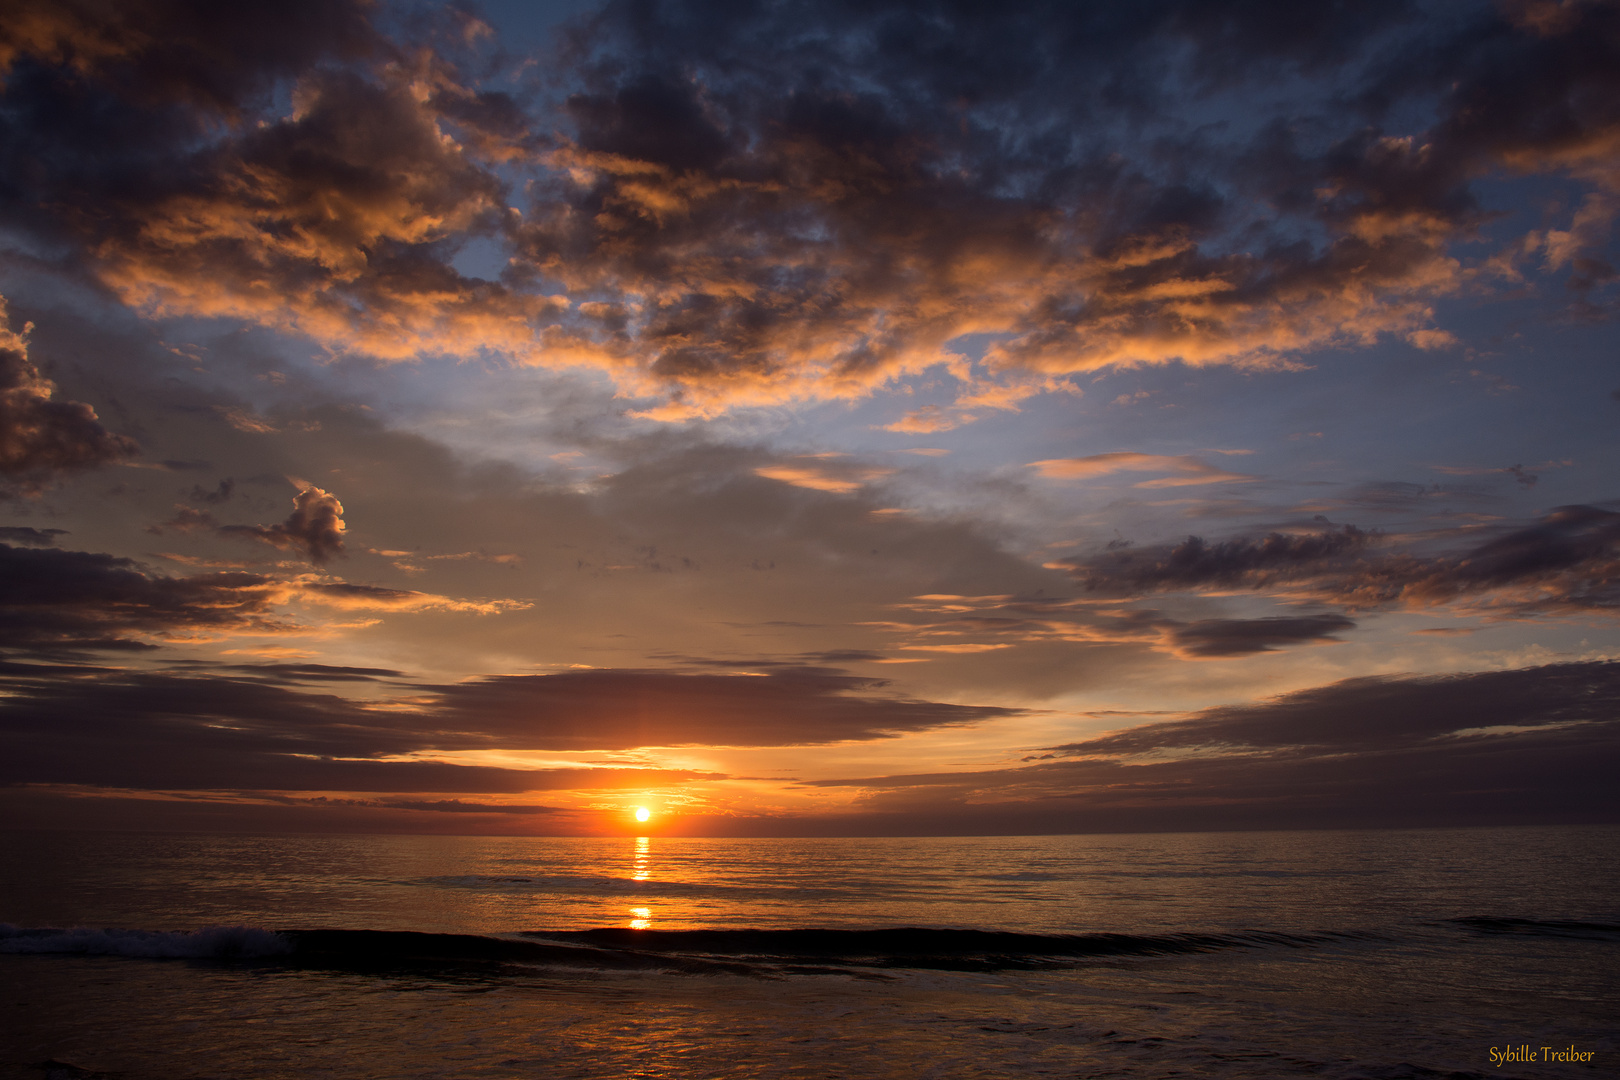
pixel 1338 955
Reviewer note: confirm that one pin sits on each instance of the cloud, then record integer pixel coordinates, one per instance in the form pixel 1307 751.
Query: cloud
pixel 219 495
pixel 436 806
pixel 704 143
pixel 315 527
pixel 18 534
pixel 456 806
pixel 41 437
pixel 254 728
pixel 1030 620
pixel 1521 474
pixel 1188 470
pixel 153 733
pixel 818 473
pixel 1196 563
pixel 1568 560
pixel 338 218
pixel 1209 638
pixel 56 603
pixel 337 222
pixel 803 202
pixel 347 596
pixel 930 419
pixel 1378 713
pixel 617 710
pixel 166 57
pixel 298 673
pixel 1533 744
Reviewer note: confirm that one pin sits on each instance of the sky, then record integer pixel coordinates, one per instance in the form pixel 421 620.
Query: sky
pixel 812 418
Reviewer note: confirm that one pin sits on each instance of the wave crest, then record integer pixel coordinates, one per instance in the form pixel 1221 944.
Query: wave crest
pixel 210 942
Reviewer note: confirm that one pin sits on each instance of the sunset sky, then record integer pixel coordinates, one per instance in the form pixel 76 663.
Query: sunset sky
pixel 809 418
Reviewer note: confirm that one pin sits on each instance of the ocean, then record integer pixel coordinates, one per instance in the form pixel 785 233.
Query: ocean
pixel 1489 952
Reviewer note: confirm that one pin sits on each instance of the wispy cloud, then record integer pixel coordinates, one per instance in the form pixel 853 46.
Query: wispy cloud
pixel 1185 470
pixel 823 473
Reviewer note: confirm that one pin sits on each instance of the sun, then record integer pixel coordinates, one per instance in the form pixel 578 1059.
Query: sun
pixel 642 813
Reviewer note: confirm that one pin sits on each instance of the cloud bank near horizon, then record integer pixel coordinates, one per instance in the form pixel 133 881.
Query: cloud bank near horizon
pixel 1468 748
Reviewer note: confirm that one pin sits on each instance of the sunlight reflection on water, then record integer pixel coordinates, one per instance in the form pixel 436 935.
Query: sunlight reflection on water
pixel 1056 884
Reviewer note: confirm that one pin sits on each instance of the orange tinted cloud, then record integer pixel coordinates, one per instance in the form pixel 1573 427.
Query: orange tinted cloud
pixel 758 231
pixel 40 436
pixel 824 474
pixel 325 224
pixel 1186 470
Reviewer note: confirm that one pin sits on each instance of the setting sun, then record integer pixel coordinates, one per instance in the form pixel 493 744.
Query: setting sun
pixel 642 813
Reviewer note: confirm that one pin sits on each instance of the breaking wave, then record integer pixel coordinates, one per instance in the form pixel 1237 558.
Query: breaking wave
pixel 752 952
pixel 211 942
pixel 1563 928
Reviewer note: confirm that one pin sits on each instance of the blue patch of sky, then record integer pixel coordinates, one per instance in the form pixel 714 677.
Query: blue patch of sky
pixel 481 257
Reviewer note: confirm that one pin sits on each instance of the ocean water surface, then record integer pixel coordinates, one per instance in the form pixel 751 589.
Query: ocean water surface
pixel 1364 954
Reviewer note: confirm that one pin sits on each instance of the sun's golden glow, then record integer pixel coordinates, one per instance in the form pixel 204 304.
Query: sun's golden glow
pixel 642 813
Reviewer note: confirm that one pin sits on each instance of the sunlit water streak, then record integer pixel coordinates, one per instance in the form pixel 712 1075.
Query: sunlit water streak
pixel 1350 954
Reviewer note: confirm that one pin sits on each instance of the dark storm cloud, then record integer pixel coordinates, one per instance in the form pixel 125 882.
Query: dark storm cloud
pixel 218 731
pixel 1535 744
pixel 1566 561
pixel 766 202
pixel 315 527
pixel 42 437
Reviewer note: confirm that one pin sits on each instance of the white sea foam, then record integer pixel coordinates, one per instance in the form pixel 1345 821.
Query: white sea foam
pixel 209 942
